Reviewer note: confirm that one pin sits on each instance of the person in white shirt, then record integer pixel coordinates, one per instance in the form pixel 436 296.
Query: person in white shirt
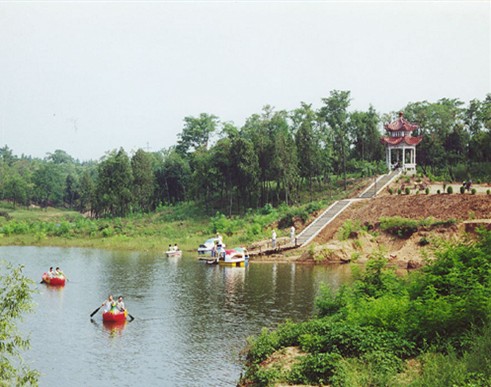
pixel 120 304
pixel 108 304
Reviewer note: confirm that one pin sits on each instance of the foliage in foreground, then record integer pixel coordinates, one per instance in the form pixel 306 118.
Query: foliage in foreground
pixel 15 300
pixel 429 328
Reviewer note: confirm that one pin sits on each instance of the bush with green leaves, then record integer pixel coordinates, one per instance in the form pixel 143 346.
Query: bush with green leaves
pixel 15 300
pixel 439 316
pixel 449 189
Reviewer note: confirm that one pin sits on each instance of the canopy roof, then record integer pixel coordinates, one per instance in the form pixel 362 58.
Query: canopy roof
pixel 400 124
pixel 409 140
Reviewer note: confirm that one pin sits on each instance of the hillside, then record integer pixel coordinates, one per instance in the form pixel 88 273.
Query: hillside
pixel 467 211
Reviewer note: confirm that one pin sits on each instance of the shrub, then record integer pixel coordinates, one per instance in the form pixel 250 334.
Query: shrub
pixel 314 368
pixel 407 191
pixel 473 191
pixel 424 241
pixel 462 189
pixel 449 189
pixel 427 191
pixel 438 192
pixel 349 229
pixel 398 226
pixel 488 192
pixel 399 191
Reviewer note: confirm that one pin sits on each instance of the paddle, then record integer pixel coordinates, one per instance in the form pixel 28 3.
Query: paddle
pixel 95 311
pixel 130 316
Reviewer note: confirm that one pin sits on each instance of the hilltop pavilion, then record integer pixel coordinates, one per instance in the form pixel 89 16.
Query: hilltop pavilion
pixel 400 145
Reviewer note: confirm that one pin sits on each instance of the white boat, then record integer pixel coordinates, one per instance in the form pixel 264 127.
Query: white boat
pixel 174 253
pixel 236 257
pixel 207 246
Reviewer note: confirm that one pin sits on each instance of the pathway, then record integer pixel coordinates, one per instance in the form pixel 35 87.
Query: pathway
pixel 313 229
pixel 333 211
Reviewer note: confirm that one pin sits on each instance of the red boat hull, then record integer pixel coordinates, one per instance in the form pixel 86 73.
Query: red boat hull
pixel 114 316
pixel 55 281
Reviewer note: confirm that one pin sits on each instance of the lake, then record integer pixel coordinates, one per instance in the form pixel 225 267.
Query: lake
pixel 191 319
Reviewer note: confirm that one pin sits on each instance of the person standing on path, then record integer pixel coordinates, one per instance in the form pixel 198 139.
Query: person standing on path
pixel 292 234
pixel 273 239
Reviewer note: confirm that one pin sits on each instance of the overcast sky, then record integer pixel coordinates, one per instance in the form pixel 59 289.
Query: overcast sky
pixel 90 77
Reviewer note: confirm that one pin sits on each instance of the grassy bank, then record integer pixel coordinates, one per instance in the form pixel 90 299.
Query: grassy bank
pixel 185 224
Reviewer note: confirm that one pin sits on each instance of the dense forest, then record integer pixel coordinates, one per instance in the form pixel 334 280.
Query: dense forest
pixel 276 157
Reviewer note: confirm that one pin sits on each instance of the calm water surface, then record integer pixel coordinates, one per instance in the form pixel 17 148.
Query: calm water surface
pixel 191 319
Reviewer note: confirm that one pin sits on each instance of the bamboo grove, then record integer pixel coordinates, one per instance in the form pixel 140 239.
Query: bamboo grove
pixel 275 157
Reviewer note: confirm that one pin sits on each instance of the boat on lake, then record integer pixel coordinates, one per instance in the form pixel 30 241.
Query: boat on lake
pixel 207 247
pixel 174 253
pixel 54 281
pixel 114 315
pixel 236 257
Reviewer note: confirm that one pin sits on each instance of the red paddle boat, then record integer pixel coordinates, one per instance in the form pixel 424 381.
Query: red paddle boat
pixel 54 281
pixel 114 315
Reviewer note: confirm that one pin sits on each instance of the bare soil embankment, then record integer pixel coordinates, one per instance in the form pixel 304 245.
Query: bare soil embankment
pixel 468 211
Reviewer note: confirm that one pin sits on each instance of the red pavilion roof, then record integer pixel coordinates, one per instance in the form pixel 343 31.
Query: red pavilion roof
pixel 409 140
pixel 400 124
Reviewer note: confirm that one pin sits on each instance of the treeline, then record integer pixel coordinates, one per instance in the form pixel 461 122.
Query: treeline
pixel 274 158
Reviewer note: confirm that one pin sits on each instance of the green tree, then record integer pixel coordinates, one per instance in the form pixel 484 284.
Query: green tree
pixel 86 193
pixel 478 122
pixel 334 113
pixel 48 179
pixel 245 167
pixel 365 136
pixel 260 131
pixel 113 189
pixel 7 156
pixel 196 132
pixel 16 188
pixel 60 157
pixel 173 177
pixel 285 162
pixel 71 190
pixel 15 300
pixel 143 179
pixel 436 121
pixel 307 140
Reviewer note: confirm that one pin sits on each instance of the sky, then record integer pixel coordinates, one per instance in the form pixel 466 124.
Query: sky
pixel 91 77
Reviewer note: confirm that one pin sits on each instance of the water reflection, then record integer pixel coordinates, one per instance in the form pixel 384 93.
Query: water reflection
pixel 114 327
pixel 191 319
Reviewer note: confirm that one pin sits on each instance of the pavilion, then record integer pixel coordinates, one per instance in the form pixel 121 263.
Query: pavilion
pixel 400 145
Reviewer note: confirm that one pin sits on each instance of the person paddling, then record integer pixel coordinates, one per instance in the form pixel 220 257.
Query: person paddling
pixel 120 304
pixel 109 303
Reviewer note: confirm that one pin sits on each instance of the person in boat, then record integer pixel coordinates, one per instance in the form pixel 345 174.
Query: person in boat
pixel 170 248
pixel 58 272
pixel 109 303
pixel 51 273
pixel 220 239
pixel 120 304
pixel 214 249
pixel 175 247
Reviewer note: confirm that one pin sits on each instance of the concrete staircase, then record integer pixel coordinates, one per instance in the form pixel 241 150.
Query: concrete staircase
pixel 378 185
pixel 313 229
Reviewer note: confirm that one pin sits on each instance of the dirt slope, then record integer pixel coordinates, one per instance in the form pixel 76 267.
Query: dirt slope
pixel 441 207
pixel 402 252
